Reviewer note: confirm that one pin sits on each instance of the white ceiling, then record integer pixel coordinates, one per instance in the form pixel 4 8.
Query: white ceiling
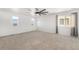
pixel 32 10
pixel 55 10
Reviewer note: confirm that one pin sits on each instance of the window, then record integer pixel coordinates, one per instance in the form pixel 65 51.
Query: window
pixel 66 21
pixel 15 20
pixel 15 17
pixel 61 21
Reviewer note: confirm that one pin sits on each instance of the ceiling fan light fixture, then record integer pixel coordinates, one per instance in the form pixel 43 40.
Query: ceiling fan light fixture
pixel 41 12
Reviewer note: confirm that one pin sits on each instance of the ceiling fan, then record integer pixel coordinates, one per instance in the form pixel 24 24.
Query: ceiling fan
pixel 41 12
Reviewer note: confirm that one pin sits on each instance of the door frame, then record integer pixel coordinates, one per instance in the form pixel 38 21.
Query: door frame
pixel 57 24
pixel 76 24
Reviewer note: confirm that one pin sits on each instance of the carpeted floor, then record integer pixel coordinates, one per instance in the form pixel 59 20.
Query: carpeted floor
pixel 38 41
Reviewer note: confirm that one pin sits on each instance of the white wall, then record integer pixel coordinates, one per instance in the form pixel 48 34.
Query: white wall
pixel 7 28
pixel 47 23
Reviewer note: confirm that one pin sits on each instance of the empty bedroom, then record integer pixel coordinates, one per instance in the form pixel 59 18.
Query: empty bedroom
pixel 39 28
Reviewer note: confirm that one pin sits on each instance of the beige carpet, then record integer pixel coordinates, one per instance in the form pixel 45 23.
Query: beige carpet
pixel 38 41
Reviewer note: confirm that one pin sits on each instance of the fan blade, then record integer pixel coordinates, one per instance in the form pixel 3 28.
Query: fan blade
pixel 42 10
pixel 36 12
pixel 44 14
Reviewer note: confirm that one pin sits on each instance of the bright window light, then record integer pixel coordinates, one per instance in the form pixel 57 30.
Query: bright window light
pixel 15 17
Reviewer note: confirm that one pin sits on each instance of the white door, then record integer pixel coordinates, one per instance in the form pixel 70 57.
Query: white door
pixel 65 24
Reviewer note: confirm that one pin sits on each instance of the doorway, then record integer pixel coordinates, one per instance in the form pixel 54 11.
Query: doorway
pixel 67 24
